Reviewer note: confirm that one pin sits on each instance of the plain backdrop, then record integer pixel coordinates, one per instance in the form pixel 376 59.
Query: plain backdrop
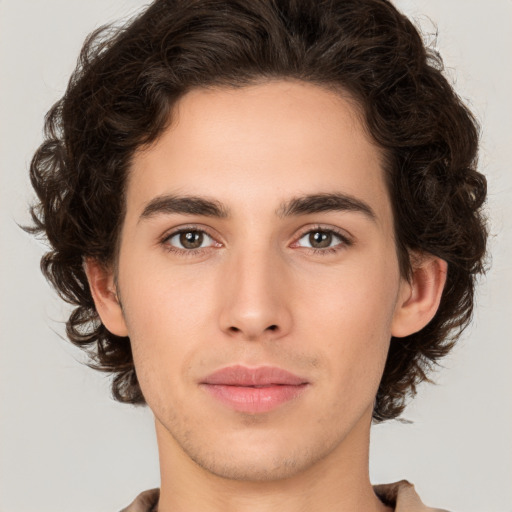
pixel 66 445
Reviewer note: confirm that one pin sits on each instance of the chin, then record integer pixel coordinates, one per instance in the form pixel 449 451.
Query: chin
pixel 260 461
pixel 256 469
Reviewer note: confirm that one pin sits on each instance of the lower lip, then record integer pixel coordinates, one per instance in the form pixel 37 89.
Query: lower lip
pixel 254 400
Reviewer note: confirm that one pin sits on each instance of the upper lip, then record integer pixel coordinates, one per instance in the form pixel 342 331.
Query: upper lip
pixel 239 375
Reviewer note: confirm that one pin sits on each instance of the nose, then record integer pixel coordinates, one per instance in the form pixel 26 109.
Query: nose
pixel 255 302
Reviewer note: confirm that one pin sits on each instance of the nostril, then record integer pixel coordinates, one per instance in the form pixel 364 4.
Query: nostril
pixel 235 330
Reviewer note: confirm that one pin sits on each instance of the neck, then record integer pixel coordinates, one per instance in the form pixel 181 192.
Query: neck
pixel 340 482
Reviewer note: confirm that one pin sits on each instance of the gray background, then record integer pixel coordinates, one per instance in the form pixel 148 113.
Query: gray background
pixel 65 445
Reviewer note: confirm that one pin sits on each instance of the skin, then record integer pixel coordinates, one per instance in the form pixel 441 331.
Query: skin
pixel 256 293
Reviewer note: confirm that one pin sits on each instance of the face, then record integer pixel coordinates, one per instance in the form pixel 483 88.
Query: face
pixel 258 243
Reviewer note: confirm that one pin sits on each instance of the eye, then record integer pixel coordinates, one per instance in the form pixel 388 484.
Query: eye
pixel 189 239
pixel 322 239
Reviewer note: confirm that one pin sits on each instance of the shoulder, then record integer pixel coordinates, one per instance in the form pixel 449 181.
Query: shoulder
pixel 403 497
pixel 400 495
pixel 145 502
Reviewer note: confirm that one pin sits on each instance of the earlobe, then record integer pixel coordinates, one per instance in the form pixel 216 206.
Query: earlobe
pixel 104 294
pixel 419 298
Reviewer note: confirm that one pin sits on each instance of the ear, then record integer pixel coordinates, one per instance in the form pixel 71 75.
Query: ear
pixel 104 292
pixel 419 297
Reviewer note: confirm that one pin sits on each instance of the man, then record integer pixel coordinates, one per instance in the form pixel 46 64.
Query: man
pixel 268 218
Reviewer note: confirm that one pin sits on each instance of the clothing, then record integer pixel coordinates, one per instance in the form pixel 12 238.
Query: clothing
pixel 403 497
pixel 400 495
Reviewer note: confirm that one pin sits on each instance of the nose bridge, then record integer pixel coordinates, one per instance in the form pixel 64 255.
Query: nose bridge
pixel 254 299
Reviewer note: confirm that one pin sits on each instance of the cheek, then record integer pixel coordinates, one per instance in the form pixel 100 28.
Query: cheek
pixel 162 299
pixel 360 296
pixel 350 317
pixel 169 314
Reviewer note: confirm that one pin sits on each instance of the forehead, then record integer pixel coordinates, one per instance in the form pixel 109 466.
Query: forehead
pixel 261 144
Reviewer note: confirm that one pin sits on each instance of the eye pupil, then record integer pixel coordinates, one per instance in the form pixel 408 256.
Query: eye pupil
pixel 191 239
pixel 320 239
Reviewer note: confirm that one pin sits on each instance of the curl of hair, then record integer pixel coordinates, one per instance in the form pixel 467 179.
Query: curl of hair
pixel 120 97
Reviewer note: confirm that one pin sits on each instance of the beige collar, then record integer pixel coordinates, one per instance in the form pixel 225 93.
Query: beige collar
pixel 400 495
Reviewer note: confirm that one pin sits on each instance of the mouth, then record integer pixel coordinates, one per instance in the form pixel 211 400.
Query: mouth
pixel 254 390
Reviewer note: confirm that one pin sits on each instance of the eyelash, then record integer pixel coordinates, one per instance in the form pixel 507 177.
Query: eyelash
pixel 345 241
pixel 185 252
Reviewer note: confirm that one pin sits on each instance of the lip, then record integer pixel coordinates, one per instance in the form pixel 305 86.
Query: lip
pixel 254 390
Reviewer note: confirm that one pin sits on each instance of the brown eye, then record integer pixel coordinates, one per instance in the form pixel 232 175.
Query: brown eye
pixel 323 240
pixel 191 239
pixel 320 239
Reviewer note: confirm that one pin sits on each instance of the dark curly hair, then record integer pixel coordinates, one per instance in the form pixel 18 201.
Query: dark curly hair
pixel 121 95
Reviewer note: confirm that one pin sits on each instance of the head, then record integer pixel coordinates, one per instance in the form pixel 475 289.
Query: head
pixel 131 104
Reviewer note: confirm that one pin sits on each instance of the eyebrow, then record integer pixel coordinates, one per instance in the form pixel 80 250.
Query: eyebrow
pixel 317 203
pixel 191 205
pixel 303 205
